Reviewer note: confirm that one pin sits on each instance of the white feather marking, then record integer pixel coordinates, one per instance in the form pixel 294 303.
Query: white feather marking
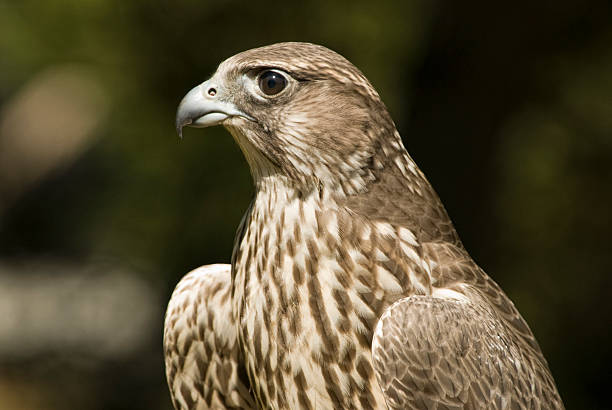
pixel 358 257
pixel 410 252
pixel 332 225
pixel 331 307
pixel 326 273
pixel 444 293
pixel 360 307
pixel 367 232
pixel 406 235
pixel 417 283
pixel 379 333
pixel 400 164
pixel 380 256
pixel 385 229
pixel 387 281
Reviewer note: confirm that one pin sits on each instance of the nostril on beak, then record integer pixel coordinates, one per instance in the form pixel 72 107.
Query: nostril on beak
pixel 212 91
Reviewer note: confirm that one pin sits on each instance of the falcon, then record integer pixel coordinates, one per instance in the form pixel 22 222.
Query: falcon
pixel 348 286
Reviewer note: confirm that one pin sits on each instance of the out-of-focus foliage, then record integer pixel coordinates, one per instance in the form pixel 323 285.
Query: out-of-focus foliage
pixel 507 110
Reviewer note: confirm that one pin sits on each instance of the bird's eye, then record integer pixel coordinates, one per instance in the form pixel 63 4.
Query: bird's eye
pixel 272 82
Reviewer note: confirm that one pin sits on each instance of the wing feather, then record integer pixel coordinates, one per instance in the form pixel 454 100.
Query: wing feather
pixel 203 363
pixel 450 353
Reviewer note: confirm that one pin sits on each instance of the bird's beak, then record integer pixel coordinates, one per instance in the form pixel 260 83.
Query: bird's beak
pixel 205 106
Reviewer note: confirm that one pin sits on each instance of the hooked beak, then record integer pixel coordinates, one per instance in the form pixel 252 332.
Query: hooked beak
pixel 203 106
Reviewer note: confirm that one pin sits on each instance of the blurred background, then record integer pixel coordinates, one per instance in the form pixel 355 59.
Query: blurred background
pixel 507 107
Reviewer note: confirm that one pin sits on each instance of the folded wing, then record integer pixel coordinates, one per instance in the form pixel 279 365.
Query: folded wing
pixel 203 365
pixel 449 353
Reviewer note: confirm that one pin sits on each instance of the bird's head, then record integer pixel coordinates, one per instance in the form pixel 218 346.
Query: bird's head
pixel 300 112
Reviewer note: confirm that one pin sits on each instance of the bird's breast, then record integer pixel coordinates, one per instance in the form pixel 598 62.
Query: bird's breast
pixel 307 298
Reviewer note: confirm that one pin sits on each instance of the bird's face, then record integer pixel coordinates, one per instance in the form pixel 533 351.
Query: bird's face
pixel 297 110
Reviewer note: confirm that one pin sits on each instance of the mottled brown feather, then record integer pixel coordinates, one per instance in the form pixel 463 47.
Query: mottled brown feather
pixel 345 230
pixel 203 363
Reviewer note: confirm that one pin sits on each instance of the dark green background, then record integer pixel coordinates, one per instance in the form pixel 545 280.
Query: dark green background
pixel 506 107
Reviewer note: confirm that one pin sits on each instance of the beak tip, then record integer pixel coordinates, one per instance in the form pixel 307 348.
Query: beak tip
pixel 181 121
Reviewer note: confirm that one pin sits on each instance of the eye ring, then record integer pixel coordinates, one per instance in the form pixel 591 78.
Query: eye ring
pixel 272 82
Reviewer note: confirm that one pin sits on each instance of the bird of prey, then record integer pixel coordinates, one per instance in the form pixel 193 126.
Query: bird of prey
pixel 348 287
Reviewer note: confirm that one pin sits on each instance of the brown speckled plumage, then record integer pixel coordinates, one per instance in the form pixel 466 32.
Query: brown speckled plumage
pixel 348 286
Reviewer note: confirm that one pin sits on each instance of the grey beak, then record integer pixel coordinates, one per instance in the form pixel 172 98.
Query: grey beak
pixel 204 106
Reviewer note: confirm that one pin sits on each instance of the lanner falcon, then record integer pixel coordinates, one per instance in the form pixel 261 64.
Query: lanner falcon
pixel 348 286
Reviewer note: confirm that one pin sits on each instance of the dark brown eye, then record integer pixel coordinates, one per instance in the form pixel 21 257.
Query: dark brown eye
pixel 272 82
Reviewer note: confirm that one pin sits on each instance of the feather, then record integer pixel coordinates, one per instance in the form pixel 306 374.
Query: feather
pixel 349 286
